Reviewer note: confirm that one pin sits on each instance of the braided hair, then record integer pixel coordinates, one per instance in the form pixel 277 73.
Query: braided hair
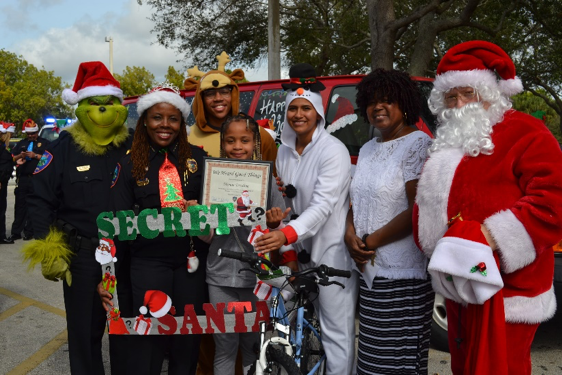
pixel 140 149
pixel 392 86
pixel 251 124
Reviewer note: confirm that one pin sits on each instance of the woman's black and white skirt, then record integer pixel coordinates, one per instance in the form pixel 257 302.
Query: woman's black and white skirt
pixel 394 326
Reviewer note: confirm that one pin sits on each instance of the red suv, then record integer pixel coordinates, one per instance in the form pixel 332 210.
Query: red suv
pixel 266 99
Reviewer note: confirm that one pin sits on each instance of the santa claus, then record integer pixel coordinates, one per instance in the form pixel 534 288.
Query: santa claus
pixel 243 206
pixel 105 252
pixel 488 211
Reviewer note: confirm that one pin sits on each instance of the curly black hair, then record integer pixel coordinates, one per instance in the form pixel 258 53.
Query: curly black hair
pixel 392 86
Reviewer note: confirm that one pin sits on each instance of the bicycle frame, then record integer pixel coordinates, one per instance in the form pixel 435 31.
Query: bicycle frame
pixel 290 340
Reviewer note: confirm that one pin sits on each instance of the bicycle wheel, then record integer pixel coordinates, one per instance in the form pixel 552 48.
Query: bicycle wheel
pixel 312 352
pixel 278 363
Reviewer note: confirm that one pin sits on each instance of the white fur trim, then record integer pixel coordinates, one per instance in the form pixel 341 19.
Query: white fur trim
pixel 432 197
pixel 456 257
pixel 33 129
pixel 143 310
pixel 164 310
pixel 155 97
pixel 462 78
pixel 515 246
pixel 511 86
pixel 69 96
pixel 530 310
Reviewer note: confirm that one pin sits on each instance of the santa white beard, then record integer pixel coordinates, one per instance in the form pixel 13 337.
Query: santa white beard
pixel 468 128
pixel 103 257
pixel 246 200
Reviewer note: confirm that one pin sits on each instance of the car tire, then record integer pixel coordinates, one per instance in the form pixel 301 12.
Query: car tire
pixel 439 338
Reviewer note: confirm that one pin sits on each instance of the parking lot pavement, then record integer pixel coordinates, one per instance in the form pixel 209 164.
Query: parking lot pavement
pixel 33 328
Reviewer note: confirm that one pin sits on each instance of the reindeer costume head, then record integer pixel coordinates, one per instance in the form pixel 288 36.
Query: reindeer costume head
pixel 213 79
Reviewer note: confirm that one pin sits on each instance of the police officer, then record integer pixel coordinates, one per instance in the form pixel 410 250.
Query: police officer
pixel 160 153
pixel 72 186
pixel 26 155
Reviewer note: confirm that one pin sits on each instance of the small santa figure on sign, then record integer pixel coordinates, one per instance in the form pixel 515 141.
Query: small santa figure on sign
pixel 243 207
pixel 105 252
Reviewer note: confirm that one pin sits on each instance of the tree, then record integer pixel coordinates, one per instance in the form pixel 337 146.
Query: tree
pixel 332 35
pixel 135 80
pixel 174 77
pixel 28 92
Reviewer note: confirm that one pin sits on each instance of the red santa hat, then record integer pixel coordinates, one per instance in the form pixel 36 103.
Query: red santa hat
pixel 157 302
pixel 92 79
pixel 7 127
pixel 29 126
pixel 112 249
pixel 165 93
pixel 474 64
pixel 463 267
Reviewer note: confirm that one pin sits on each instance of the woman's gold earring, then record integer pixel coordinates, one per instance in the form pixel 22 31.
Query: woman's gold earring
pixel 405 116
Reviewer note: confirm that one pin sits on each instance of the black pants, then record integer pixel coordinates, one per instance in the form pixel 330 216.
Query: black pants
pixel 172 278
pixel 86 318
pixel 22 219
pixel 3 206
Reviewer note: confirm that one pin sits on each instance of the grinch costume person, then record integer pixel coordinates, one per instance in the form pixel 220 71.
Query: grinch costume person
pixel 71 187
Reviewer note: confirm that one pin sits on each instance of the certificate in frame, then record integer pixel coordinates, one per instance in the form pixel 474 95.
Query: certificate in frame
pixel 246 183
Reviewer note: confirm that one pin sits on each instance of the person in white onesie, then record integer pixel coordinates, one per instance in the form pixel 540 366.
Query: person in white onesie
pixel 317 170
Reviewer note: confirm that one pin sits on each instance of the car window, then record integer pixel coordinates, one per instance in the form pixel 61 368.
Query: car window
pixel 343 120
pixel 426 115
pixel 271 105
pixel 49 134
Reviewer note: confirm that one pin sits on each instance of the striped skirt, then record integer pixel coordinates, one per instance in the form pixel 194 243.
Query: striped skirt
pixel 394 326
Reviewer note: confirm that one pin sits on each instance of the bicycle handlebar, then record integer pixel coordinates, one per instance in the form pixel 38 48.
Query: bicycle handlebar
pixel 329 271
pixel 254 259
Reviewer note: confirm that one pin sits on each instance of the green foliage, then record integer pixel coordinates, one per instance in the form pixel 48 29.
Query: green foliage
pixel 174 77
pixel 529 103
pixel 136 80
pixel 332 35
pixel 28 92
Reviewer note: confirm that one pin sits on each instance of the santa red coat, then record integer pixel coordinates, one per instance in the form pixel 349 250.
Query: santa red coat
pixel 517 193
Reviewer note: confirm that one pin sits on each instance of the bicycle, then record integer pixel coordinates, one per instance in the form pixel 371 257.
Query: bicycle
pixel 295 346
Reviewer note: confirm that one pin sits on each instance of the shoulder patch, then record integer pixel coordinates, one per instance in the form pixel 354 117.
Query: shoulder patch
pixel 44 162
pixel 116 173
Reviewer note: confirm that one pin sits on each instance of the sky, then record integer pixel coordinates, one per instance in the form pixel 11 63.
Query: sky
pixel 57 35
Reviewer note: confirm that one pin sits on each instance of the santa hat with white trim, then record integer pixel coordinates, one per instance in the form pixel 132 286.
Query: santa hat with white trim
pixel 29 126
pixel 7 127
pixel 157 302
pixel 475 64
pixel 463 267
pixel 92 79
pixel 165 93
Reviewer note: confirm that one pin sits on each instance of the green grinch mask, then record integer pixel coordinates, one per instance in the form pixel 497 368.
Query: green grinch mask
pixel 102 117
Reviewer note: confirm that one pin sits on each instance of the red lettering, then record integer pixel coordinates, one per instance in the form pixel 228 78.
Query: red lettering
pixel 168 325
pixel 217 316
pixel 238 308
pixel 262 315
pixel 189 317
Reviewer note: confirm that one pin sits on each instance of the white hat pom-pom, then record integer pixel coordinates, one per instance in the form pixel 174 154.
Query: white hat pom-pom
pixel 143 310
pixel 69 96
pixel 511 86
pixel 114 259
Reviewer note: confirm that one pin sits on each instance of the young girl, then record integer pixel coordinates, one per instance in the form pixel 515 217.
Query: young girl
pixel 240 139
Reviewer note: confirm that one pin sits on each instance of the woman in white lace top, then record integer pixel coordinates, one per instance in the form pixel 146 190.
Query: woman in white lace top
pixel 396 297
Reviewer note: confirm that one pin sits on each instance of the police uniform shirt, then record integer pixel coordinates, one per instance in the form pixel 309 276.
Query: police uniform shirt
pixel 73 186
pixel 6 164
pixel 129 192
pixel 27 168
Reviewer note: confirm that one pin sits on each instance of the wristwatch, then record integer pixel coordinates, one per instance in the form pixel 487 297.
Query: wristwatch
pixel 364 238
